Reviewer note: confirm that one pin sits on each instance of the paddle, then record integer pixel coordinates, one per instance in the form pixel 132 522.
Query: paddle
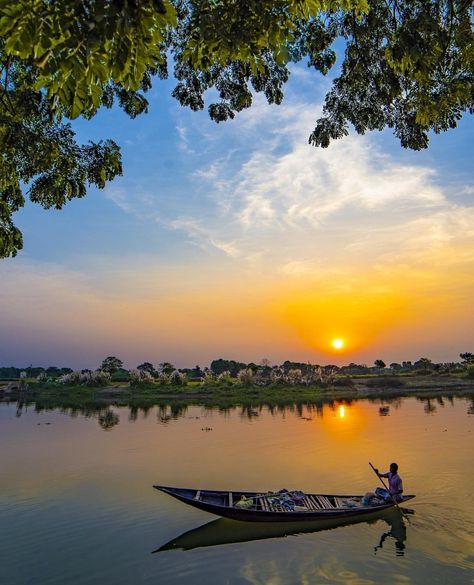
pixel 385 486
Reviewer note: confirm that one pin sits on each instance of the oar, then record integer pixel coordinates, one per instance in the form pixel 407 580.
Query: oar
pixel 385 486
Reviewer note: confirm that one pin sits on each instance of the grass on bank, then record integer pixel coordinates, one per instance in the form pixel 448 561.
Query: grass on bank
pixel 235 393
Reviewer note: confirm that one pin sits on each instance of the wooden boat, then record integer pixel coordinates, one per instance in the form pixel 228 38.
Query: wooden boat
pixel 265 507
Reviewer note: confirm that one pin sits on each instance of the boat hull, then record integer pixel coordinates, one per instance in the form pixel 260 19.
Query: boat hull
pixel 216 502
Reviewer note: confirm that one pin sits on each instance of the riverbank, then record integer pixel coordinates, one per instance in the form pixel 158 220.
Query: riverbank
pixel 376 387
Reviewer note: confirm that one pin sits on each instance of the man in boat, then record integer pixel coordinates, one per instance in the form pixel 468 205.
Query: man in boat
pixel 395 486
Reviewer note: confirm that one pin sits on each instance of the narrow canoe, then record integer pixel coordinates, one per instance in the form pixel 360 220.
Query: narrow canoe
pixel 265 509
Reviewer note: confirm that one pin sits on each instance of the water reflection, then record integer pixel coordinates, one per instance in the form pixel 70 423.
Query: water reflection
pixel 225 531
pixel 470 409
pixel 397 533
pixel 169 411
pixel 73 494
pixel 108 420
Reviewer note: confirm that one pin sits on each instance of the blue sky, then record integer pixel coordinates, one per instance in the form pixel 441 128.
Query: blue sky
pixel 199 249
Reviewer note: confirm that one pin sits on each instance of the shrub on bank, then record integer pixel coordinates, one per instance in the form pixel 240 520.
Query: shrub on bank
pixel 226 378
pixel 86 378
pixel 163 379
pixel 72 379
pixel 178 378
pixel 385 382
pixel 470 370
pixel 343 383
pixel 99 378
pixel 140 378
pixel 245 377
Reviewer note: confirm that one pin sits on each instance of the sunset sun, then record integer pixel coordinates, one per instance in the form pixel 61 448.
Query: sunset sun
pixel 338 343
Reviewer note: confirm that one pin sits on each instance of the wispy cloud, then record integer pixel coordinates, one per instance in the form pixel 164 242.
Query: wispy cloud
pixel 264 244
pixel 295 206
pixel 183 141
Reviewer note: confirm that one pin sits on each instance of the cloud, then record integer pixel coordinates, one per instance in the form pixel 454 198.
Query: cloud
pixel 296 207
pixel 183 139
pixel 260 244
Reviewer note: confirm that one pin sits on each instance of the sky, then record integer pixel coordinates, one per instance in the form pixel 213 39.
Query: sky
pixel 240 240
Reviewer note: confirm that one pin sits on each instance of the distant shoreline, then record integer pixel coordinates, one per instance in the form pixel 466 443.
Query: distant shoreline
pixel 354 388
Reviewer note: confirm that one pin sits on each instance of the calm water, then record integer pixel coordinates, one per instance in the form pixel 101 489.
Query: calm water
pixel 77 506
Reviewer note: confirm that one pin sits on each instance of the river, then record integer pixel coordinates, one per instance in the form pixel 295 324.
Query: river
pixel 77 504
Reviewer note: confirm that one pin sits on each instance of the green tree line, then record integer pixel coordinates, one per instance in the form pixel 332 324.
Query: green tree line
pixel 114 366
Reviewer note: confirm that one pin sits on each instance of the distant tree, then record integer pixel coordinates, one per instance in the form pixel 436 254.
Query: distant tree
pixel 423 363
pixel 53 372
pixel 353 368
pixel 166 368
pixel 111 364
pixel 120 375
pixel 147 367
pixel 34 372
pixel 467 358
pixel 252 366
pixel 9 372
pixel 303 367
pixel 395 366
pixel 380 364
pixel 407 365
pixel 329 367
pixel 194 373
pixel 220 365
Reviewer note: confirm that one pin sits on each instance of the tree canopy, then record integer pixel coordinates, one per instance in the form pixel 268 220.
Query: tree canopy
pixel 407 65
pixel 111 364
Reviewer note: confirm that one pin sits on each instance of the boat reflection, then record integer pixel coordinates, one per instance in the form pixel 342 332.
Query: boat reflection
pixel 226 531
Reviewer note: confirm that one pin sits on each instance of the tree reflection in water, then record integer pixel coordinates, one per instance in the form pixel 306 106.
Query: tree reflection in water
pixel 170 410
pixel 108 420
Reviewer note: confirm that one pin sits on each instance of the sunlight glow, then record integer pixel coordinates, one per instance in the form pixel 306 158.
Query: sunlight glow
pixel 342 411
pixel 337 343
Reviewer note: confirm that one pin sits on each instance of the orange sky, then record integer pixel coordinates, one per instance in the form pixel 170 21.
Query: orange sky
pixel 278 249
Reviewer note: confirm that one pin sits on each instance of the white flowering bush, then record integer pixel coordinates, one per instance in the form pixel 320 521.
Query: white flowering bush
pixel 225 378
pixel 43 377
pixel 294 377
pixel 178 378
pixel 163 378
pixel 277 376
pixel 87 378
pixel 261 378
pixel 209 378
pixel 73 378
pixel 323 375
pixel 140 378
pixel 97 378
pixel 246 377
